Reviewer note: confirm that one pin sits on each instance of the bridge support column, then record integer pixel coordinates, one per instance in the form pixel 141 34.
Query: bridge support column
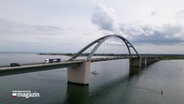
pixel 135 62
pixel 79 74
pixel 150 61
pixel 144 61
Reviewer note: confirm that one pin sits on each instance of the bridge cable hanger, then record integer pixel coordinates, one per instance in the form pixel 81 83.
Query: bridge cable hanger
pixel 100 41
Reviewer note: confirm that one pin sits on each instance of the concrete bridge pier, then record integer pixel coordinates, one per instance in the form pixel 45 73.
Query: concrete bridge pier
pixel 151 60
pixel 144 61
pixel 135 62
pixel 79 74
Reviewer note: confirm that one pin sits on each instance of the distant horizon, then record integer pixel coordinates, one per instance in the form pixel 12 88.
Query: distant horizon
pixel 95 53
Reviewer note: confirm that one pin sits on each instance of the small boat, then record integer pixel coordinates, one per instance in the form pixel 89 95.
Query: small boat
pixel 94 73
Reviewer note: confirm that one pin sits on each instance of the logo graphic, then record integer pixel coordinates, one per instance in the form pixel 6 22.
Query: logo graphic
pixel 24 94
pixel 14 95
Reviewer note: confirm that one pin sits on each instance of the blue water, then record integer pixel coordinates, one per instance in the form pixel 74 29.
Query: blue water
pixel 114 83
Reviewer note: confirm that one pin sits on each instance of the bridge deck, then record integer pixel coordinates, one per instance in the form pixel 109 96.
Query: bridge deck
pixel 61 64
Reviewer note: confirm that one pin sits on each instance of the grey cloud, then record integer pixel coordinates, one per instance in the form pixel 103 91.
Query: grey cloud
pixel 153 13
pixel 157 38
pixel 180 14
pixel 104 18
pixel 10 27
pixel 131 29
pixel 167 34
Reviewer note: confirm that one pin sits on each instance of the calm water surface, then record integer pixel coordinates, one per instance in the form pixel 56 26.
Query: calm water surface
pixel 114 83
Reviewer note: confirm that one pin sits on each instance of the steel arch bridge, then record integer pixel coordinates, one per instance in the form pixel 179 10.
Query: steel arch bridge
pixel 99 41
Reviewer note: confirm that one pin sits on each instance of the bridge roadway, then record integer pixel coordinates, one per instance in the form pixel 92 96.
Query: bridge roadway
pixel 63 64
pixel 59 64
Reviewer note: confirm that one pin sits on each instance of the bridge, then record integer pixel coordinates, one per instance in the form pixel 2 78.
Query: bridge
pixel 78 70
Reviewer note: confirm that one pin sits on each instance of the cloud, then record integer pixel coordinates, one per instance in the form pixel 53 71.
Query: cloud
pixel 153 13
pixel 10 27
pixel 104 18
pixel 166 34
pixel 180 14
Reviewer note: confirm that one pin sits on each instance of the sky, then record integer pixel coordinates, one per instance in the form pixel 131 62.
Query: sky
pixel 152 26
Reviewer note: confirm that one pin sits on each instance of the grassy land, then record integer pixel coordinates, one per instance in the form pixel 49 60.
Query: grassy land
pixel 171 56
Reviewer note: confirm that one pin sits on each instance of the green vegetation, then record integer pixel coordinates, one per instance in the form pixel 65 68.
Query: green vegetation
pixel 171 56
